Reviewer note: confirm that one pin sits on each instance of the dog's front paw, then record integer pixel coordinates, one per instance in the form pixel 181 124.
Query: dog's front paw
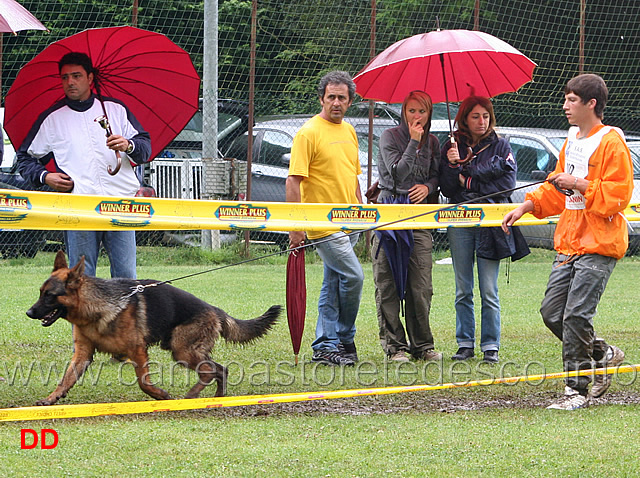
pixel 45 401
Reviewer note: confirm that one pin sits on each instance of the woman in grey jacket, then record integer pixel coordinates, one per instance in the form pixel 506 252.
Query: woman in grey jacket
pixel 408 165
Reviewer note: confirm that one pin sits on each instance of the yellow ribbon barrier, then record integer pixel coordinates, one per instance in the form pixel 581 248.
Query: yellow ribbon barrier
pixel 126 408
pixel 21 209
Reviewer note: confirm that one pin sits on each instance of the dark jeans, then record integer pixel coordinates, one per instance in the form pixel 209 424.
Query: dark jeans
pixel 569 305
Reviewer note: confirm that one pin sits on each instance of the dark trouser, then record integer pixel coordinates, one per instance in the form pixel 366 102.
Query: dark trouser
pixel 569 305
pixel 417 299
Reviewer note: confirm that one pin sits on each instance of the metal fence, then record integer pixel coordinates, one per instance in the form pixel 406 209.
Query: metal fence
pixel 295 42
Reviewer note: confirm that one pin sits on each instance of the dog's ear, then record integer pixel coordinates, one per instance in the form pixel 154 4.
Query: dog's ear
pixel 78 269
pixel 75 274
pixel 60 261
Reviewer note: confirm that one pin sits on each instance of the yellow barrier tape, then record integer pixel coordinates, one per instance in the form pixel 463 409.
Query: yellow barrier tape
pixel 126 408
pixel 38 210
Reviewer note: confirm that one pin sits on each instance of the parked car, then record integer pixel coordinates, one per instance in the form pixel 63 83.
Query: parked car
pixel 393 111
pixel 233 120
pixel 537 152
pixel 272 141
pixel 271 153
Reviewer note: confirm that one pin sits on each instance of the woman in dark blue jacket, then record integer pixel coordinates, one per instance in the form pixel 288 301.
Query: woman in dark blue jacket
pixel 477 164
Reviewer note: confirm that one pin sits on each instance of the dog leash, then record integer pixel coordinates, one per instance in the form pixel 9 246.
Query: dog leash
pixel 140 287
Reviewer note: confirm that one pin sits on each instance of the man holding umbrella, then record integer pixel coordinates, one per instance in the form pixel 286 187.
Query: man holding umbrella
pixel 67 151
pixel 324 168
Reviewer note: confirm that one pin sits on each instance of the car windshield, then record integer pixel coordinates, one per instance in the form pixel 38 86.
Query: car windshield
pixel 634 147
pixel 557 141
pixel 193 130
pixel 363 146
pixel 393 111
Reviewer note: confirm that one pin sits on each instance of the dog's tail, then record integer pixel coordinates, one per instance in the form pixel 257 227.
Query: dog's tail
pixel 244 331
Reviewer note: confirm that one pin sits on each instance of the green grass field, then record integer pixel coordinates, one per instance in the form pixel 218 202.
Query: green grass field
pixel 500 430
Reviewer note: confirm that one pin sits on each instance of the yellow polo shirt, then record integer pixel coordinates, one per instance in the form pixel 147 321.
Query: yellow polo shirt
pixel 325 154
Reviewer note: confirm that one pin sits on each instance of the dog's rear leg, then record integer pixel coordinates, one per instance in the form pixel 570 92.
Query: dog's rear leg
pixel 208 371
pixel 141 363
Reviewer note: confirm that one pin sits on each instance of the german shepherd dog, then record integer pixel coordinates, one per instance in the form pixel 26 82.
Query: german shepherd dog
pixel 119 317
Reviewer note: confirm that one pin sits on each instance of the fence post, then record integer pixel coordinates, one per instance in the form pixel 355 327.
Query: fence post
pixel 210 239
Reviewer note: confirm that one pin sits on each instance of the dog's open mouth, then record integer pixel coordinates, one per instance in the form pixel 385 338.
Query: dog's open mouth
pixel 52 316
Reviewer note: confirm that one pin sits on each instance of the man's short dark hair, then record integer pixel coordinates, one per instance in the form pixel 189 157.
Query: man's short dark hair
pixel 76 58
pixel 589 86
pixel 337 78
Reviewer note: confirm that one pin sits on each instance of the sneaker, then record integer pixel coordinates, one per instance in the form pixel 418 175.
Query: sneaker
pixel 400 356
pixel 331 357
pixel 429 355
pixel 348 351
pixel 571 400
pixel 601 383
pixel 463 353
pixel 490 356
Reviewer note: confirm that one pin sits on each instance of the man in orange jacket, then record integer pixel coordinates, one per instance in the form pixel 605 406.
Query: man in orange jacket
pixel 590 187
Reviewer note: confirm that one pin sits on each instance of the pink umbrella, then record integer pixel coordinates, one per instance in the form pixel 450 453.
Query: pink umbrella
pixel 449 65
pixel 14 17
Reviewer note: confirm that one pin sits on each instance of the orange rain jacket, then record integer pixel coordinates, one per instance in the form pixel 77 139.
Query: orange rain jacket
pixel 601 227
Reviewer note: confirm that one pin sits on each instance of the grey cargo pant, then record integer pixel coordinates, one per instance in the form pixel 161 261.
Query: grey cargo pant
pixel 417 299
pixel 569 305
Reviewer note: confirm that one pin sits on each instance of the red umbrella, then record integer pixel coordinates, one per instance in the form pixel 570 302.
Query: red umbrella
pixel 296 298
pixel 145 70
pixel 14 17
pixel 449 65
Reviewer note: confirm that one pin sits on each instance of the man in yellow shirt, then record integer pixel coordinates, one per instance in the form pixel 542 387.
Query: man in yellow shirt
pixel 324 168
pixel 596 173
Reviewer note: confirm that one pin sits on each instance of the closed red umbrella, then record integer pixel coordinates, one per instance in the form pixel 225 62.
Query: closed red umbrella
pixel 296 298
pixel 149 73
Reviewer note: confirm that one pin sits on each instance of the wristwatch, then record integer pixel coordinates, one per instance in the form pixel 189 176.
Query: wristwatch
pixel 129 150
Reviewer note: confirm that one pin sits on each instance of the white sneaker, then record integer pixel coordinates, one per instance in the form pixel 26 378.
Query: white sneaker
pixel 571 400
pixel 400 356
pixel 601 383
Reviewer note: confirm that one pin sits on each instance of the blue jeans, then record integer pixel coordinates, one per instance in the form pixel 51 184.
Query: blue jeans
pixel 120 247
pixel 463 243
pixel 340 293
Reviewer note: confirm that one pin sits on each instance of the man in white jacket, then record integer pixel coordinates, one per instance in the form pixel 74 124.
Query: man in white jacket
pixel 67 151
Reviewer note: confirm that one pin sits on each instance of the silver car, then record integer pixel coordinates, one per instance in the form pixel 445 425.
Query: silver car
pixel 271 153
pixel 536 152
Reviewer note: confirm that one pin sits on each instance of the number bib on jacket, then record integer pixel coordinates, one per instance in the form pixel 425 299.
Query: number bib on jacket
pixel 577 154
